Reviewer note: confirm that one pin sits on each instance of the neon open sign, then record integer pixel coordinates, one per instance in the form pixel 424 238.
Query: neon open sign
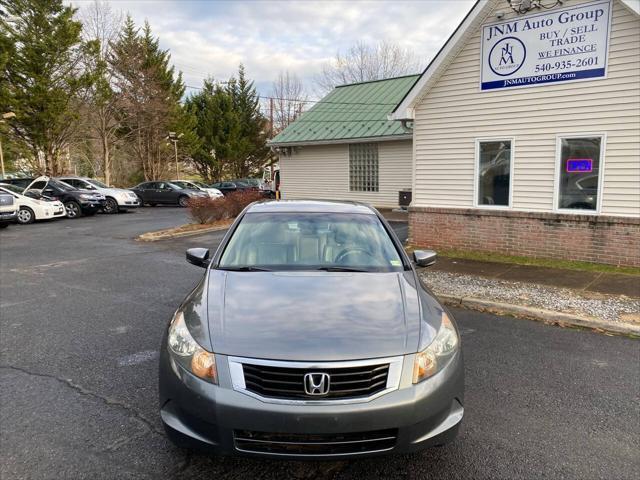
pixel 579 165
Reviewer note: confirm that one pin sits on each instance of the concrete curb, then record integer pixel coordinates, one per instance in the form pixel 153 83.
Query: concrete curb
pixel 541 315
pixel 155 236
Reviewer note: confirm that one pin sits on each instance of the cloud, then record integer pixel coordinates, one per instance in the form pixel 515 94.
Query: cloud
pixel 213 38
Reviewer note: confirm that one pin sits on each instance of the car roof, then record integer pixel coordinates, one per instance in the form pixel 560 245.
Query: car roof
pixel 310 206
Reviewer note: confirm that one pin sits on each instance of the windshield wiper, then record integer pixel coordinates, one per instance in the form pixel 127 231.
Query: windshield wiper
pixel 246 268
pixel 341 269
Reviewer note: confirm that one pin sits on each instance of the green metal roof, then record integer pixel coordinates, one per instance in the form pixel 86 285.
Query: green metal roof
pixel 354 111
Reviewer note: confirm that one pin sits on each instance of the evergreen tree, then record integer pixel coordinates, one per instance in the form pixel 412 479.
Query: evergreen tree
pixel 231 128
pixel 149 94
pixel 43 79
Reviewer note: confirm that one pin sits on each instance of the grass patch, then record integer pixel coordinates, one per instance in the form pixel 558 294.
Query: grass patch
pixel 537 262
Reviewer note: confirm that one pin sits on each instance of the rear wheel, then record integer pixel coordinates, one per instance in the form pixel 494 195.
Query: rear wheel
pixel 141 201
pixel 111 206
pixel 183 201
pixel 25 215
pixel 73 209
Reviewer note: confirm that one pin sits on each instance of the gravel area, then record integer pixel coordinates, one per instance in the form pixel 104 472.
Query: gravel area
pixel 604 307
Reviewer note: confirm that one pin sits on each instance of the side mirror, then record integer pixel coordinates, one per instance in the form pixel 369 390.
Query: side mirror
pixel 198 257
pixel 424 258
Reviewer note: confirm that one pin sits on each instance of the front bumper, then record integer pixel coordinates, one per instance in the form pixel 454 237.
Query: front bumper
pixel 198 414
pixel 8 217
pixel 92 205
pixel 129 202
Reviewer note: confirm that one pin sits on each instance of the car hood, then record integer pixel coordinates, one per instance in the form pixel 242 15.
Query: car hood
pixel 312 316
pixel 113 191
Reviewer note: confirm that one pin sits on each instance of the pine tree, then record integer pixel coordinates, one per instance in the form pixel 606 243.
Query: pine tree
pixel 149 94
pixel 43 79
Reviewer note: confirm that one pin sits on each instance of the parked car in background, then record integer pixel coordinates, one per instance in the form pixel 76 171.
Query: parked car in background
pixel 212 192
pixel 116 199
pixel 22 182
pixel 225 187
pixel 31 209
pixel 76 202
pixel 253 182
pixel 233 186
pixel 354 356
pixel 165 193
pixel 8 209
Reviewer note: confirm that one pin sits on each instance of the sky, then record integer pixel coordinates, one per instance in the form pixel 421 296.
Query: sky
pixel 211 38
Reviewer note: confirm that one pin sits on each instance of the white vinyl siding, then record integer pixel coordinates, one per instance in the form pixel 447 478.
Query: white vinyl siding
pixel 322 172
pixel 454 113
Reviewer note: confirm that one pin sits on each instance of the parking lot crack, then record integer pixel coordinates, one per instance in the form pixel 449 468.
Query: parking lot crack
pixel 88 393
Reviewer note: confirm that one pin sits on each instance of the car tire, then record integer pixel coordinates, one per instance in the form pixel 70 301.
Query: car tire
pixel 73 209
pixel 141 201
pixel 111 206
pixel 183 201
pixel 25 216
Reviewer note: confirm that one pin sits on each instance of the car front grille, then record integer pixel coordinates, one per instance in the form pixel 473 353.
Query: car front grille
pixel 288 383
pixel 315 444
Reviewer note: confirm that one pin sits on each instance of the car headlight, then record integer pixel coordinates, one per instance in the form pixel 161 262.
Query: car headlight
pixel 432 359
pixel 188 354
pixel 86 196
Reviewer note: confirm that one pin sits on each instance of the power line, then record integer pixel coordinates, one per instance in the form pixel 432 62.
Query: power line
pixel 299 100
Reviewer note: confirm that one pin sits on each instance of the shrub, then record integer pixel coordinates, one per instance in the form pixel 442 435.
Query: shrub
pixel 237 201
pixel 210 210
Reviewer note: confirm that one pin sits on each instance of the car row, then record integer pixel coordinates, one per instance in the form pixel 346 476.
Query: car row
pixel 72 196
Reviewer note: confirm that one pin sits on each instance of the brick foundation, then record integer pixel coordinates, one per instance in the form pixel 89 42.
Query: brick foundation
pixel 589 238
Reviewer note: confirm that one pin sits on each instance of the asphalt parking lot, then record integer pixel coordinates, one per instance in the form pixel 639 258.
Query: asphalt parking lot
pixel 83 306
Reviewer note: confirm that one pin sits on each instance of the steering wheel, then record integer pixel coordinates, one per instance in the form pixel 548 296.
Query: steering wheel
pixel 353 251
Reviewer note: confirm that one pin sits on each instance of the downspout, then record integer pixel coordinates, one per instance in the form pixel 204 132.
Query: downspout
pixel 405 126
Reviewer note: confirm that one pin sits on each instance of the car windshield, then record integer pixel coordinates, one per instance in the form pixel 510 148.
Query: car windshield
pixel 201 185
pixel 180 184
pixel 98 184
pixel 60 185
pixel 311 241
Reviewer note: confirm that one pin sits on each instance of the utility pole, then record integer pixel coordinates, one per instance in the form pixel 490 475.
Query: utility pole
pixel 5 116
pixel 270 117
pixel 173 138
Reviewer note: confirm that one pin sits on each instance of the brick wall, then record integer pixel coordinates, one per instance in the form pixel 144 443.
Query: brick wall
pixel 589 238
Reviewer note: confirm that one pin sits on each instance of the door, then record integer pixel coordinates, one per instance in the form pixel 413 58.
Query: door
pixel 147 191
pixel 166 194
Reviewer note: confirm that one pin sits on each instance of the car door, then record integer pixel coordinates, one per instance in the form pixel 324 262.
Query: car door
pixel 165 194
pixel 145 191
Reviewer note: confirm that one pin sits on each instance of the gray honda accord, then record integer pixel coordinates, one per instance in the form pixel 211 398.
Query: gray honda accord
pixel 311 336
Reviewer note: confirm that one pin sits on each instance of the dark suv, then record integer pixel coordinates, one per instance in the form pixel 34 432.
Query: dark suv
pixel 77 202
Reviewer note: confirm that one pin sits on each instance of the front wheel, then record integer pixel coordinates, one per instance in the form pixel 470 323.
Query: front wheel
pixel 25 216
pixel 183 201
pixel 111 206
pixel 73 209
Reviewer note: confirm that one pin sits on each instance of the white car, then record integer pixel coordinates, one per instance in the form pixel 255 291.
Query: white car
pixel 118 199
pixel 212 192
pixel 31 209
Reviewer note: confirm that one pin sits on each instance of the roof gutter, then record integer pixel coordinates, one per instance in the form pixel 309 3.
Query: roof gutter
pixel 386 138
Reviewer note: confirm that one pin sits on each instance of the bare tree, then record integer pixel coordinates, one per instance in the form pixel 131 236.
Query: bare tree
pixel 363 62
pixel 288 100
pixel 101 23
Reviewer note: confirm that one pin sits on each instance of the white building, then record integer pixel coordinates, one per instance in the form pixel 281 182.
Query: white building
pixel 527 133
pixel 346 148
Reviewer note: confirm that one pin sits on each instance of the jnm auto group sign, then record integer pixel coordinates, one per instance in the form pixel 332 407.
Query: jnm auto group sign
pixel 556 46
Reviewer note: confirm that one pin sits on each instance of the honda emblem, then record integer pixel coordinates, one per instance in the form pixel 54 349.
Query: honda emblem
pixel 316 383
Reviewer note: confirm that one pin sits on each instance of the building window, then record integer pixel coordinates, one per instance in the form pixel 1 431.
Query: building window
pixel 578 178
pixel 493 177
pixel 363 167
